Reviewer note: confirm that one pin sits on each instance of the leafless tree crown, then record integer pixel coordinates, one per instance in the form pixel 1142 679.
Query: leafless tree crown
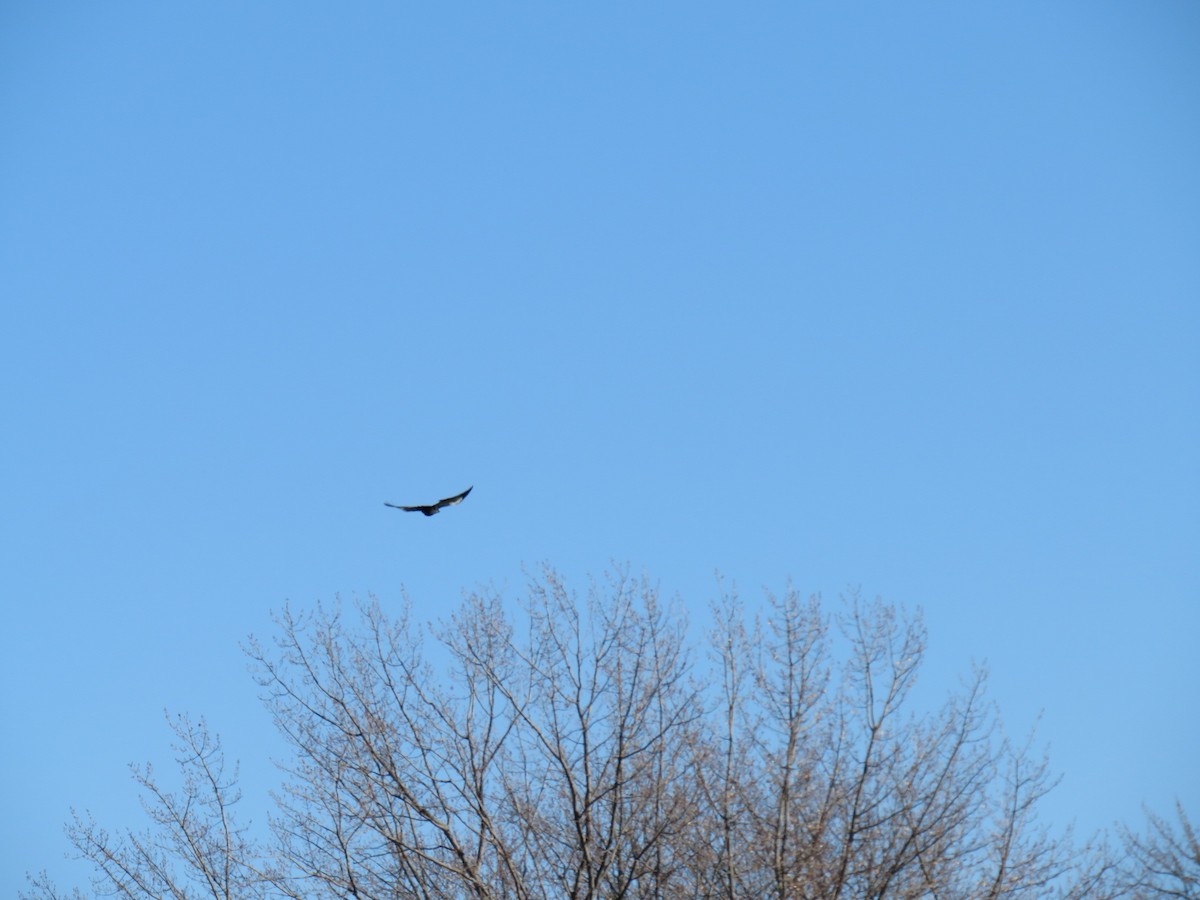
pixel 586 748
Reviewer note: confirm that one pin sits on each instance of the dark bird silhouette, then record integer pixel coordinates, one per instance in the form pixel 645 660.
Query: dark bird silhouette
pixel 433 508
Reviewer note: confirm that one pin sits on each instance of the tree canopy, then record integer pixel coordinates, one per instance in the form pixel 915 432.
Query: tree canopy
pixel 589 746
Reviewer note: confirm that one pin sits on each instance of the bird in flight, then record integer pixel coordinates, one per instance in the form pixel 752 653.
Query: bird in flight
pixel 433 508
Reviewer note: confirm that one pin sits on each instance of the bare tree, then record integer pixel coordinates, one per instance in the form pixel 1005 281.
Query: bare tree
pixel 552 766
pixel 195 847
pixel 1164 862
pixel 850 798
pixel 585 748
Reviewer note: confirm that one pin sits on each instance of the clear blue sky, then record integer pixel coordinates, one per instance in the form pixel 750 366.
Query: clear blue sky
pixel 904 296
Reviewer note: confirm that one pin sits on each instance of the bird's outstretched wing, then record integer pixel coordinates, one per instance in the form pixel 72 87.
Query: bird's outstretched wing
pixel 433 508
pixel 451 501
